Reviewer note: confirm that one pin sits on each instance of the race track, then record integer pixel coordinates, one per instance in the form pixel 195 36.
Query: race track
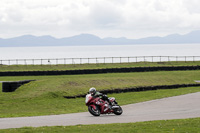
pixel 178 107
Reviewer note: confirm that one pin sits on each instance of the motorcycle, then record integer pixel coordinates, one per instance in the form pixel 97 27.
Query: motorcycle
pixel 97 106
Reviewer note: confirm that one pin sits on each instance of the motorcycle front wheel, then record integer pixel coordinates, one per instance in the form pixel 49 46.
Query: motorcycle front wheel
pixel 118 111
pixel 95 112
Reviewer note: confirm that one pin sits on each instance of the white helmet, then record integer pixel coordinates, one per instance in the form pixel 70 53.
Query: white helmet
pixel 92 90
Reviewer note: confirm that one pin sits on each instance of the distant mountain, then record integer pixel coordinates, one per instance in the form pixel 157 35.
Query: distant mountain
pixel 89 39
pixel 29 40
pixel 82 39
pixel 192 37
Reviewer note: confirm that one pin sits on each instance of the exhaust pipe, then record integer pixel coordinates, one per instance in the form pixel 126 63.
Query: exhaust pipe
pixel 115 107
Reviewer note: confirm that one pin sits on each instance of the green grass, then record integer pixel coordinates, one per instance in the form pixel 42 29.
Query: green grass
pixel 52 104
pixel 69 85
pixel 45 96
pixel 162 126
pixel 92 66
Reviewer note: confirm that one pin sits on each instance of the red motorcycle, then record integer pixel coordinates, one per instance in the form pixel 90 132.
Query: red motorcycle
pixel 97 106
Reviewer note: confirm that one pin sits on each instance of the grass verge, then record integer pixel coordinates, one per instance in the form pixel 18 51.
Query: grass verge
pixel 52 104
pixel 163 126
pixel 45 96
pixel 70 85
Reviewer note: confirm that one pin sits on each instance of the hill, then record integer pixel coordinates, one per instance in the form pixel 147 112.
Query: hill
pixel 89 39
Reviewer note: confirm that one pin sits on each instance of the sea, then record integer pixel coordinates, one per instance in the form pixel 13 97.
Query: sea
pixel 54 52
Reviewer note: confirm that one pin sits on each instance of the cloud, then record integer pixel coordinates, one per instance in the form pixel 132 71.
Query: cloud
pixel 116 18
pixel 105 14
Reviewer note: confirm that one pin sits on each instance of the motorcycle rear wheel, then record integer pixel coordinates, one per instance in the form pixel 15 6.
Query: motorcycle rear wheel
pixel 95 112
pixel 118 111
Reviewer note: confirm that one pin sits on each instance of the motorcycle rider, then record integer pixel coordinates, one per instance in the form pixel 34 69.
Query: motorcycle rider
pixel 95 93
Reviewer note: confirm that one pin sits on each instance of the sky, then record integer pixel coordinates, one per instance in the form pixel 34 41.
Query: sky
pixel 132 19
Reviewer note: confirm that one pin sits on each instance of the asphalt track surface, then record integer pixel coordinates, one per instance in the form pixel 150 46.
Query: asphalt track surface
pixel 178 107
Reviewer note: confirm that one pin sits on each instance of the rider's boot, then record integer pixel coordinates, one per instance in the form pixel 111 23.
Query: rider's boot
pixel 109 105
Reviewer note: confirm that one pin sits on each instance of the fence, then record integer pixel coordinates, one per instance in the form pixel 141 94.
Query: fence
pixel 98 60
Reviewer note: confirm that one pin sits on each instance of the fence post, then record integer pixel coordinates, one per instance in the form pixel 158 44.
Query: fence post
pixel 136 59
pixel 112 59
pixel 128 59
pixel 185 58
pixel 64 61
pixel 49 62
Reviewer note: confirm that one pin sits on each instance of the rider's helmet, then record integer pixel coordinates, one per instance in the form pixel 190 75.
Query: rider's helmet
pixel 92 91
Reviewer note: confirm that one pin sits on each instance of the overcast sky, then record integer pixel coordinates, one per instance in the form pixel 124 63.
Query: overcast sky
pixel 104 18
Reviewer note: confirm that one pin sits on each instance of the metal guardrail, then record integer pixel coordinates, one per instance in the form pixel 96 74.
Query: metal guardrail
pixel 98 60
